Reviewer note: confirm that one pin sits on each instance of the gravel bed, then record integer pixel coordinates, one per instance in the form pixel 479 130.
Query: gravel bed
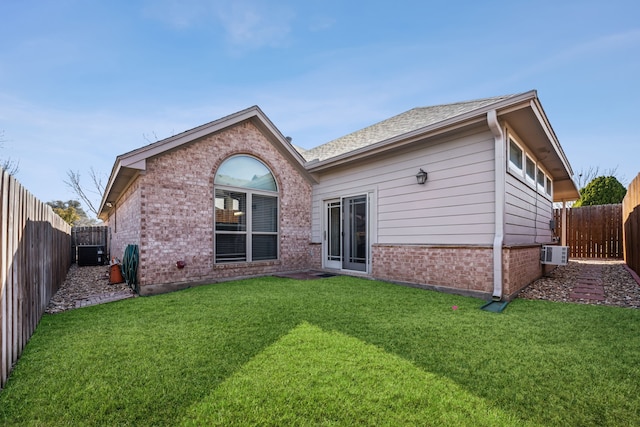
pixel 620 288
pixel 83 283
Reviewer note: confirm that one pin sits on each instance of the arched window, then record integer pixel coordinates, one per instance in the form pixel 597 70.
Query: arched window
pixel 246 211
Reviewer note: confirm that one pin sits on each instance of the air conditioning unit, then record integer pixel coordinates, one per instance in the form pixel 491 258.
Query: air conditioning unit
pixel 558 255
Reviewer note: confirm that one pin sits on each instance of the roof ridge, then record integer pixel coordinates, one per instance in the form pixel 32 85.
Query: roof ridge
pixel 470 101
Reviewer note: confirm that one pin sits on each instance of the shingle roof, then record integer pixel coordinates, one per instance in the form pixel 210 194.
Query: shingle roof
pixel 408 121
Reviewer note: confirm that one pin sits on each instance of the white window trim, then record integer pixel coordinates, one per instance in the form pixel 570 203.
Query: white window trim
pixel 249 193
pixel 521 173
pixel 248 232
pixel 530 180
pixel 513 166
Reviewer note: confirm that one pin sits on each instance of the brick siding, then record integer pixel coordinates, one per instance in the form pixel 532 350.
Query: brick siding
pixel 461 268
pixel 467 269
pixel 176 211
pixel 521 266
pixel 124 222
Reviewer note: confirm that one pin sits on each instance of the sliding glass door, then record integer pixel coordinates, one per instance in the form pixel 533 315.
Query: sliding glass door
pixel 346 240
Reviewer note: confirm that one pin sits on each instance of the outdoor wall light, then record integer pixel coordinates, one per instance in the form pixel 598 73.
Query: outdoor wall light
pixel 421 177
pixel 109 204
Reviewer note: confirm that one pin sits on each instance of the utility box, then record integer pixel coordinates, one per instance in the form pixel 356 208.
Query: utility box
pixel 557 255
pixel 90 255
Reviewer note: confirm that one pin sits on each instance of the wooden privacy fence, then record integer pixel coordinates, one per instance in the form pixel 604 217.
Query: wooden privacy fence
pixel 631 221
pixel 593 231
pixel 34 259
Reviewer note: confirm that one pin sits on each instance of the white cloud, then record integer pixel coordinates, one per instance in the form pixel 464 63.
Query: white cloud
pixel 247 24
pixel 178 14
pixel 255 24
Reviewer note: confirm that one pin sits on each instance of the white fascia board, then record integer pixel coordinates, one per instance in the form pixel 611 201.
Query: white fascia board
pixel 476 116
pixel 553 139
pixel 283 142
pixel 167 144
pixel 395 142
pixel 107 190
pixel 135 163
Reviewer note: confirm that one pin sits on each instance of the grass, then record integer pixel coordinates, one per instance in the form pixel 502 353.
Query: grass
pixel 336 351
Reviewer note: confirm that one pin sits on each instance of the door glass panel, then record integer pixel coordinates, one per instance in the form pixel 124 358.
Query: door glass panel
pixel 355 233
pixel 334 247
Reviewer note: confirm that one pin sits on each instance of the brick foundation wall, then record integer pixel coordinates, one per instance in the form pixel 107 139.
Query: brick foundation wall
pixel 315 254
pixel 457 268
pixel 177 208
pixel 466 269
pixel 521 266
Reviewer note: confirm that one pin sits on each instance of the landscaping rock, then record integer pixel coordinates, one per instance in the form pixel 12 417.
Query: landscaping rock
pixel 563 284
pixel 90 285
pixel 87 286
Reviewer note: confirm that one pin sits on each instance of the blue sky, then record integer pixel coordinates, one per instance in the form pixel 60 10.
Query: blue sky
pixel 84 81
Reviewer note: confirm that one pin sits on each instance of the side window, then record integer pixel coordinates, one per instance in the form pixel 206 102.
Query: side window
pixel 515 155
pixel 548 187
pixel 246 211
pixel 530 170
pixel 540 179
pixel 523 165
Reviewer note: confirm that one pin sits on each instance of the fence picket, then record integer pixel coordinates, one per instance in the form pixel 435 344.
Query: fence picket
pixel 34 259
pixel 592 231
pixel 631 225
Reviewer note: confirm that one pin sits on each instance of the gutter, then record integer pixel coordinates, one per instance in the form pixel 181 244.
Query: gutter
pixel 500 173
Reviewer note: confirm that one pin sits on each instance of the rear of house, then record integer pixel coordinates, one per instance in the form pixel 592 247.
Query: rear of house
pixel 354 205
pixel 475 227
pixel 227 199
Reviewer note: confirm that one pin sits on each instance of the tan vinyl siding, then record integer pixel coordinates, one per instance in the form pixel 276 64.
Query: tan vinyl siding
pixel 527 213
pixel 455 206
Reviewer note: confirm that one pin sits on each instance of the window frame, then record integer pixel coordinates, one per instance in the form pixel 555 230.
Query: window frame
pixel 540 178
pixel 548 186
pixel 545 188
pixel 249 233
pixel 531 179
pixel 518 168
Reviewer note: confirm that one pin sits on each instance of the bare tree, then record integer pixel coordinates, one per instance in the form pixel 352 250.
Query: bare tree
pixel 151 138
pixel 84 193
pixel 8 164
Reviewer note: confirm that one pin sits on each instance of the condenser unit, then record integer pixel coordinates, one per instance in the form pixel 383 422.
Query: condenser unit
pixel 558 255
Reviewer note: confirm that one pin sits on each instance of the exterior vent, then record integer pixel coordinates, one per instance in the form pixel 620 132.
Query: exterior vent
pixel 558 255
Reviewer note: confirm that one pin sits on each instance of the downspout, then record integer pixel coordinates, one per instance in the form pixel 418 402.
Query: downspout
pixel 500 173
pixel 563 231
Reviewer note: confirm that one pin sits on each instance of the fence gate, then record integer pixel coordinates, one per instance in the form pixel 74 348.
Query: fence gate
pixel 90 245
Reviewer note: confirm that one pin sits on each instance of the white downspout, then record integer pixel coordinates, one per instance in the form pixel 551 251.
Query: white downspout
pixel 500 174
pixel 563 236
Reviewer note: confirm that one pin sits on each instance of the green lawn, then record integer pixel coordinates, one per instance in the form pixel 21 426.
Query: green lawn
pixel 336 351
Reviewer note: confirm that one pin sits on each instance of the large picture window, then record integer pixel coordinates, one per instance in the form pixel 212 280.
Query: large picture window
pixel 246 211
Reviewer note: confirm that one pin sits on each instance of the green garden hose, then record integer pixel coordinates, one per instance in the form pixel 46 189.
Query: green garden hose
pixel 130 267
